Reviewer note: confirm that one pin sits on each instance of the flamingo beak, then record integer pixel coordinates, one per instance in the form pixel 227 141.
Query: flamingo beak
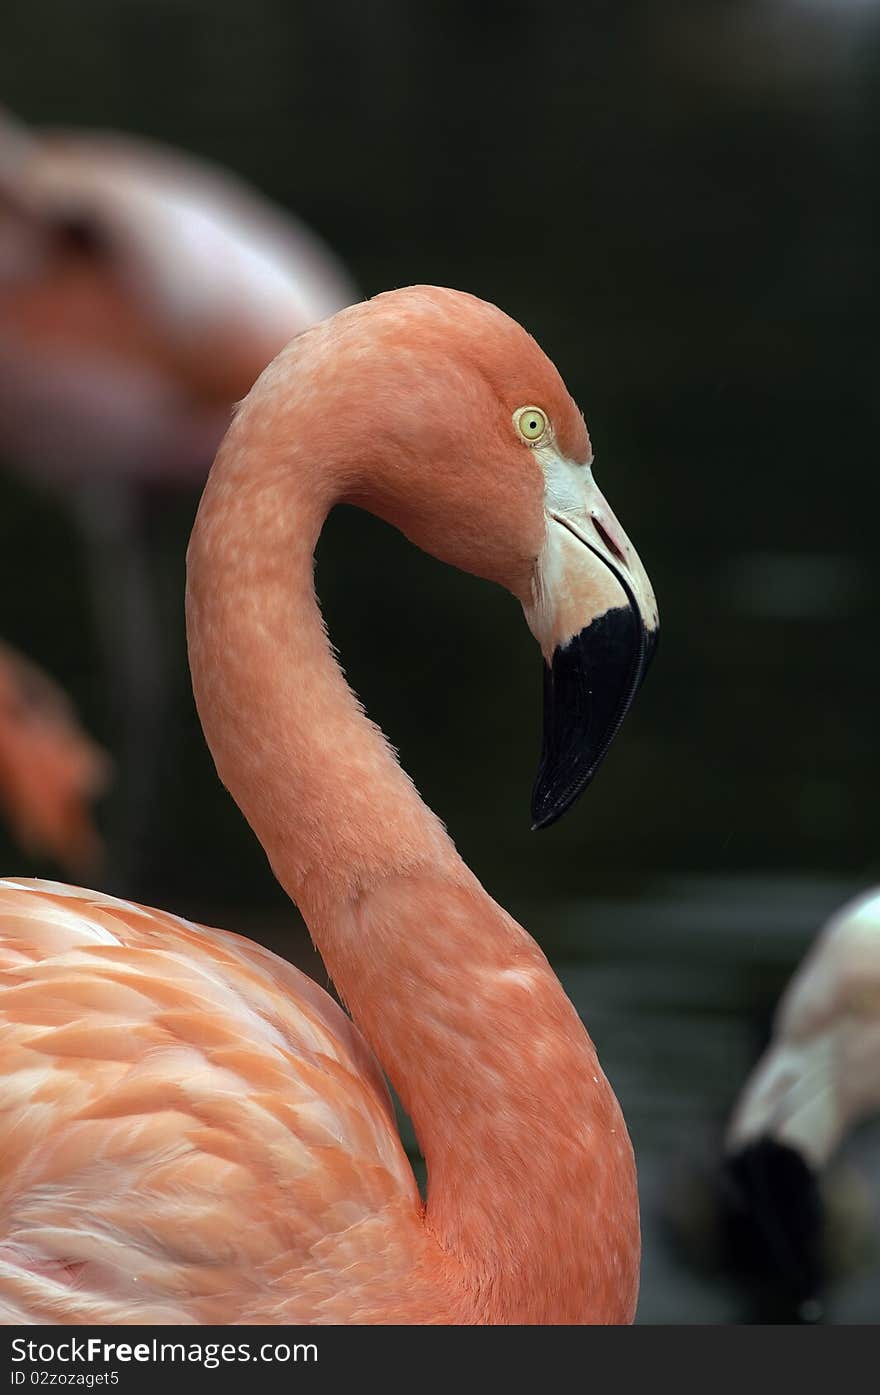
pixel 595 616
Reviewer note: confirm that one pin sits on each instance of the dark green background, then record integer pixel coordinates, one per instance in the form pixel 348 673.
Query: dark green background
pixel 680 202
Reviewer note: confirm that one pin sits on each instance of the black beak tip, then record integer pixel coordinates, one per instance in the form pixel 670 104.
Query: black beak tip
pixel 549 803
pixel 588 689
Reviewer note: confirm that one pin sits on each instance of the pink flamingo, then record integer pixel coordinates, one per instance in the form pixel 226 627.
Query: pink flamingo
pixel 49 769
pixel 141 294
pixel 194 1131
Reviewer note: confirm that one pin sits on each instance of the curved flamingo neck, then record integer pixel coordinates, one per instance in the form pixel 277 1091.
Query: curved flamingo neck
pixel 531 1187
pixel 315 779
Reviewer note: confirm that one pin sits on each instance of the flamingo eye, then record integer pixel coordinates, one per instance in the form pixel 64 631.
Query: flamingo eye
pixel 531 423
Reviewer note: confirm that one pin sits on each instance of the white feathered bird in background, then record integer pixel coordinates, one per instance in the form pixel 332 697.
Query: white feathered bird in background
pixel 819 1077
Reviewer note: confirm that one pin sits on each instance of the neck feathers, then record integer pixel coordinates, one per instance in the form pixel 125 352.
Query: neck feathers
pixel 316 780
pixel 528 1157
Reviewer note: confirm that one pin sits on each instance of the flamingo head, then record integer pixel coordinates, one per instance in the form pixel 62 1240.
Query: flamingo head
pixel 468 441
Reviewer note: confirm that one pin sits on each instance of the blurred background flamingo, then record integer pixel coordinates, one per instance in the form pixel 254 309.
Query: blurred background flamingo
pixel 818 1079
pixel 50 770
pixel 141 294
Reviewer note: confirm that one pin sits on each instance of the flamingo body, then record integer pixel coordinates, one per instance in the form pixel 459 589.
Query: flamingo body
pixel 207 1115
pixel 194 1131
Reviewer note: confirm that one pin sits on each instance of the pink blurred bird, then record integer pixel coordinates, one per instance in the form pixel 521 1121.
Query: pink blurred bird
pixel 141 294
pixel 193 1131
pixel 50 771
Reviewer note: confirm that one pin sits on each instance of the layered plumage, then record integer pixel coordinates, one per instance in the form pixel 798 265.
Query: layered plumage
pixel 192 1129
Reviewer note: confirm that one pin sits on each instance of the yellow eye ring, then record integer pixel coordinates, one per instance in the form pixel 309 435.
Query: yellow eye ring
pixel 531 423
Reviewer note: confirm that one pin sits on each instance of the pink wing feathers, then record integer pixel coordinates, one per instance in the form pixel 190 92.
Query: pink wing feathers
pixel 191 1130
